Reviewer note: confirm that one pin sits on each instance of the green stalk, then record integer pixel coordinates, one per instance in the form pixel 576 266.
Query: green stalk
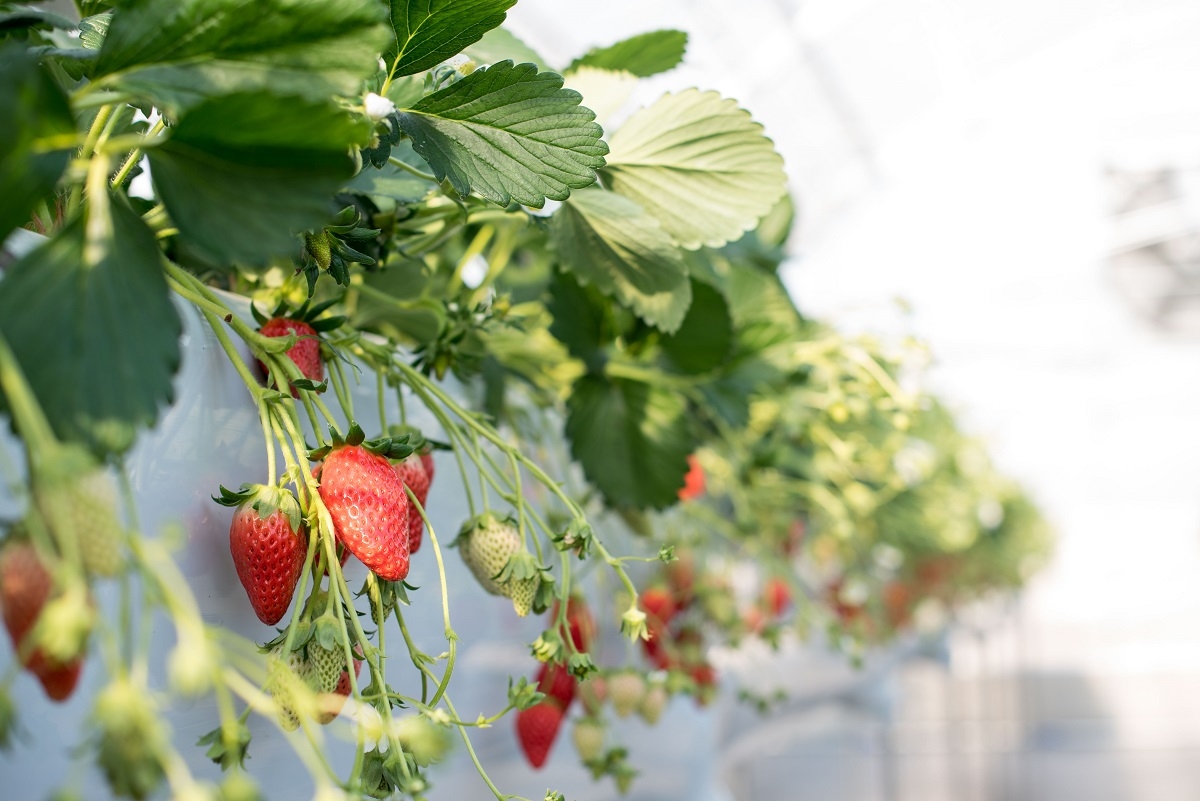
pixel 27 415
pixel 132 159
pixel 89 146
pixel 404 165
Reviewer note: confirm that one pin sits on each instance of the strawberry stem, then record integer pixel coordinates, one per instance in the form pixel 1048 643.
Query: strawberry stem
pixel 27 415
pixel 383 424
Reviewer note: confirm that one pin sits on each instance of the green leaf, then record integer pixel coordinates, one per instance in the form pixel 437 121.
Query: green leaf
pixel 391 181
pixel 578 313
pixel 705 338
pixel 25 19
pixel 508 133
pixel 179 52
pixel 643 55
pixel 611 243
pixel 500 44
pixel 36 137
pixel 242 175
pixel 632 439
pixel 430 31
pixel 90 319
pixel 390 300
pixel 700 164
pixel 92 30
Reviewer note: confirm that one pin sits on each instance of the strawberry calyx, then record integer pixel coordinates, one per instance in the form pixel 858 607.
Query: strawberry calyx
pixel 388 447
pixel 306 313
pixel 264 499
pixel 420 443
pixel 525 582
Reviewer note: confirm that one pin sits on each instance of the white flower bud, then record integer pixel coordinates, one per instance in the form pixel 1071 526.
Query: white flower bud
pixel 377 106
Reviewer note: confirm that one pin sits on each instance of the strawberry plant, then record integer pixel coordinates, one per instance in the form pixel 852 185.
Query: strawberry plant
pixel 401 198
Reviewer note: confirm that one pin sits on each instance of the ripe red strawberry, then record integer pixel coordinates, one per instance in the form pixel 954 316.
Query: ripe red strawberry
pixel 268 546
pixel 537 727
pixel 658 651
pixel 306 353
pixel 777 596
pixel 580 623
pixel 411 471
pixel 681 576
pixel 368 505
pixel 706 681
pixel 427 463
pixel 659 607
pixel 693 482
pixel 753 619
pixel 25 587
pixel 556 682
pixel 897 601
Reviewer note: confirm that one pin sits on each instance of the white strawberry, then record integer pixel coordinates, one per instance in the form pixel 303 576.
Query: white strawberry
pixel 588 735
pixel 626 690
pixel 486 544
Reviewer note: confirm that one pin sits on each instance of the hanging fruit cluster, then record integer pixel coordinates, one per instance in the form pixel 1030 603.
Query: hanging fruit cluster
pixel 370 211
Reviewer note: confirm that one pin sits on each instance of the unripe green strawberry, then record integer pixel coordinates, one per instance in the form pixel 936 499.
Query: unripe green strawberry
pixel 325 668
pixel 486 544
pixel 318 248
pixel 588 735
pixel 331 704
pixel 626 690
pixel 653 703
pixel 130 740
pixel 82 507
pixel 285 680
pixel 523 592
pixel 623 778
pixel 593 693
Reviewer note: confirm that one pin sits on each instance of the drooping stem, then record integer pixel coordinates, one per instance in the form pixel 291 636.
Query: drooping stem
pixel 132 159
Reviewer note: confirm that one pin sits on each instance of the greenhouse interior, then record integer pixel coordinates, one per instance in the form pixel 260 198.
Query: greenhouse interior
pixel 672 401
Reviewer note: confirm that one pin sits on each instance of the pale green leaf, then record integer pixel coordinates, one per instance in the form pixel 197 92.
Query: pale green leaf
pixel 642 55
pixel 430 31
pixel 37 136
pixel 508 133
pixel 610 242
pixel 90 320
pixel 500 44
pixel 242 175
pixel 698 163
pixel 632 439
pixel 178 52
pixel 604 91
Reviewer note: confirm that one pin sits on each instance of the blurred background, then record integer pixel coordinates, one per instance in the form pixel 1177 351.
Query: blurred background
pixel 1018 185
